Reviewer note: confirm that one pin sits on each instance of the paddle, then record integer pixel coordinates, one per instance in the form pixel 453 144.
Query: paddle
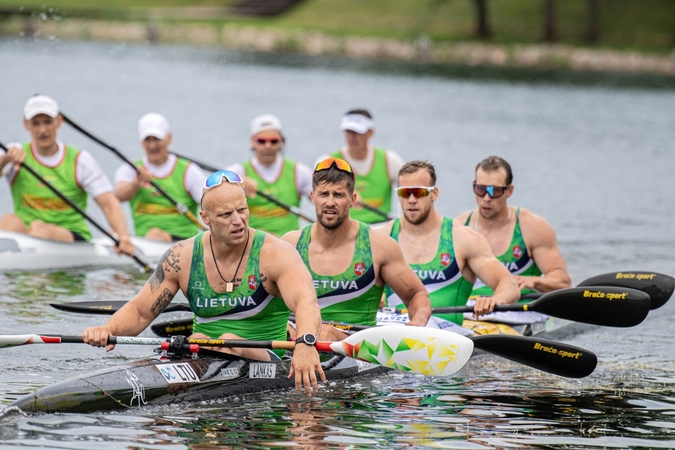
pixel 145 267
pixel 379 212
pixel 412 349
pixel 599 305
pixel 290 208
pixel 549 356
pixel 180 207
pixel 659 287
pixel 109 307
pixel 606 306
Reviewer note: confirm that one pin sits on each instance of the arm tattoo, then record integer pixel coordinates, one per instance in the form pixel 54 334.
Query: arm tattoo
pixel 170 260
pixel 162 302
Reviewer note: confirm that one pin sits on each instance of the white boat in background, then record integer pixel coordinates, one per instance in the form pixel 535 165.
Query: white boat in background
pixel 19 251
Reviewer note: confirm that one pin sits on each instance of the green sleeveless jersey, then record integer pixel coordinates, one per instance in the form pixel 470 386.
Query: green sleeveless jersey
pixel 351 296
pixel 441 276
pixel 266 215
pixel 374 188
pixel 249 311
pixel 516 259
pixel 34 201
pixel 150 209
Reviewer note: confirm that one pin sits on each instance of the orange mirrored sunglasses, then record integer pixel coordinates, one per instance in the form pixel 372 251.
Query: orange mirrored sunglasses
pixel 339 164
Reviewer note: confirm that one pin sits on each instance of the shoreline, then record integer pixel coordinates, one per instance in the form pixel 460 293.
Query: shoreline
pixel 421 50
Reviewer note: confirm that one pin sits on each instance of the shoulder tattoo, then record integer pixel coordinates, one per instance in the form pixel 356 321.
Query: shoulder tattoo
pixel 170 261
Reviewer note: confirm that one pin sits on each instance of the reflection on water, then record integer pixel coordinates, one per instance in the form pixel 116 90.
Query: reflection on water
pixel 388 412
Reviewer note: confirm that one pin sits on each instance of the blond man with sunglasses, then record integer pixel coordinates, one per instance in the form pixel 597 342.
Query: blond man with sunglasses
pixel 271 173
pixel 446 256
pixel 241 283
pixel 349 262
pixel 522 241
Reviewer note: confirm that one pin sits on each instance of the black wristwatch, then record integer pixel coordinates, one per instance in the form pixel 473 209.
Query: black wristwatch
pixel 307 338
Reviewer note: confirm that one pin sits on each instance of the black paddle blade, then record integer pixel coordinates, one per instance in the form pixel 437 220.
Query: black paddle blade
pixel 108 307
pixel 549 356
pixel 658 286
pixel 173 328
pixel 597 305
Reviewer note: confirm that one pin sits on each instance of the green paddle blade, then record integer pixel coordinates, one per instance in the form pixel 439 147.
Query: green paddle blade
pixel 658 286
pixel 549 356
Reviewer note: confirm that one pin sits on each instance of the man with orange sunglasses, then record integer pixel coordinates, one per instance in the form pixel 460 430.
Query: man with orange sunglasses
pixel 349 262
pixel 522 241
pixel 447 256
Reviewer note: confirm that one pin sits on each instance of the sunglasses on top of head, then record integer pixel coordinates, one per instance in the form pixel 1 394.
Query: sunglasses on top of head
pixel 216 179
pixel 338 163
pixel 493 191
pixel 415 191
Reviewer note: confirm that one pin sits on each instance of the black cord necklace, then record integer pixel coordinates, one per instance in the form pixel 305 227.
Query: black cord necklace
pixel 229 286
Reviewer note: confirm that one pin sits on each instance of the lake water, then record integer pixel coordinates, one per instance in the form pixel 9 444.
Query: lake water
pixel 595 159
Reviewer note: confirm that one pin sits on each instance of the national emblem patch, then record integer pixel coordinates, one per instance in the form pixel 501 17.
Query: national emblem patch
pixel 359 268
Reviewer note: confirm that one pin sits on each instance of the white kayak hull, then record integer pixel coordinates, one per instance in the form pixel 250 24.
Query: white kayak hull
pixel 21 252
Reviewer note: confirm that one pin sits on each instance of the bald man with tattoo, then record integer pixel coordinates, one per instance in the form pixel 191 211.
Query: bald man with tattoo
pixel 241 283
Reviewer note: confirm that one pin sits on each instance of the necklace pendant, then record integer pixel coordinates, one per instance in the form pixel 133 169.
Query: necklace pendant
pixel 229 287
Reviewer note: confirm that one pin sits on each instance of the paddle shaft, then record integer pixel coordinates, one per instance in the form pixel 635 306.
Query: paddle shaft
pixel 145 267
pixel 26 339
pixel 292 209
pixel 181 208
pixel 379 212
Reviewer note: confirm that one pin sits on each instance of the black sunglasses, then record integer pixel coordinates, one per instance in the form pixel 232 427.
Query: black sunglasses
pixel 493 191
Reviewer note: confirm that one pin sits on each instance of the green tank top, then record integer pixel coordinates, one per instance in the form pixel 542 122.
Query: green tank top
pixel 441 276
pixel 266 215
pixel 250 311
pixel 351 296
pixel 150 209
pixel 516 259
pixel 35 201
pixel 374 188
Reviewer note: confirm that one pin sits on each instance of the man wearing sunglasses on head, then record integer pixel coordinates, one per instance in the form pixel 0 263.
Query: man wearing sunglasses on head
pixel 444 254
pixel 375 167
pixel 241 283
pixel 349 262
pixel 269 172
pixel 523 241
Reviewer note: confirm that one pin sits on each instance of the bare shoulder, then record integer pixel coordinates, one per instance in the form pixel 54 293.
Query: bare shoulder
pixel 175 261
pixel 466 239
pixel 529 219
pixel 536 229
pixel 384 229
pixel 383 247
pixel 462 218
pixel 292 237
pixel 274 248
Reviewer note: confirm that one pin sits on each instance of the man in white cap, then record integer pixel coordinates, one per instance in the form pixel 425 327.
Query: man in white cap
pixel 268 171
pixel 75 173
pixel 376 169
pixel 154 215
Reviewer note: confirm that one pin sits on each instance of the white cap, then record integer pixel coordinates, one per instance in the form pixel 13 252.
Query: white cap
pixel 265 122
pixel 357 123
pixel 153 124
pixel 40 104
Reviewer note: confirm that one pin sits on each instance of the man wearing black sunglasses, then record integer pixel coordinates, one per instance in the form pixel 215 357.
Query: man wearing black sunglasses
pixel 269 172
pixel 445 255
pixel 524 242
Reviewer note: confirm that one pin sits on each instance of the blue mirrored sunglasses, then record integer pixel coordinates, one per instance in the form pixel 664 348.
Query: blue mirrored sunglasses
pixel 216 179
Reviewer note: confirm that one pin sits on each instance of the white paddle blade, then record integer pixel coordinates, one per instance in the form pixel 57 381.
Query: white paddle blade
pixel 25 339
pixel 412 349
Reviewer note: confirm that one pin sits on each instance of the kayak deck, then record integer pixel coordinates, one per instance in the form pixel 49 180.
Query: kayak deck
pixel 163 380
